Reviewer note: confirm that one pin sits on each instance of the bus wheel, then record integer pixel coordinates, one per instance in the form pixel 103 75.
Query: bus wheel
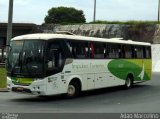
pixel 129 82
pixel 73 90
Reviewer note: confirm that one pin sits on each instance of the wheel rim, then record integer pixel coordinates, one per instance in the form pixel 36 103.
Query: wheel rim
pixel 71 90
pixel 128 82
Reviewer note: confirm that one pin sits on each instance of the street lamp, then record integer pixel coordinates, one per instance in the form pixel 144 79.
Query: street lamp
pixel 9 26
pixel 158 10
pixel 94 16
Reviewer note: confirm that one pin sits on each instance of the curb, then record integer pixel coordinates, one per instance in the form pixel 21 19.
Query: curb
pixel 4 90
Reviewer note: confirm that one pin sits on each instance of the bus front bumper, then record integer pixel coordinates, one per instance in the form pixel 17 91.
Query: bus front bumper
pixel 35 88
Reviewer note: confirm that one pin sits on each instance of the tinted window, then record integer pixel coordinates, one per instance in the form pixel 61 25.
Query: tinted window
pixel 113 51
pixel 97 50
pixel 147 51
pixel 79 49
pixel 56 57
pixel 128 51
pixel 26 58
pixel 139 52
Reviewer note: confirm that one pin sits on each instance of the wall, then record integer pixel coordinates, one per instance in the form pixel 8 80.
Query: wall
pixel 156 57
pixel 139 32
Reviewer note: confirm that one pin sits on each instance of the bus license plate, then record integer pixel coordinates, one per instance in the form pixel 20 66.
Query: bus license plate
pixel 19 89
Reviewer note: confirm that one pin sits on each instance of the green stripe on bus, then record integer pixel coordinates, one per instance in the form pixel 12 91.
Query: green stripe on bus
pixel 141 69
pixel 26 81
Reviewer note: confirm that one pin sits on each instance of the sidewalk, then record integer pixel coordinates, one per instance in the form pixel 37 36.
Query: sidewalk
pixel 3 90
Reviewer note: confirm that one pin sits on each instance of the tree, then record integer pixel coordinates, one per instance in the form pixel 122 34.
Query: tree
pixel 61 15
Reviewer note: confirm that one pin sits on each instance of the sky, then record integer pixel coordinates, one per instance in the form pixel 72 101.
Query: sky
pixel 34 11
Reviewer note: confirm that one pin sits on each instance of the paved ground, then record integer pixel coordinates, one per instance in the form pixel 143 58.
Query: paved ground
pixel 144 97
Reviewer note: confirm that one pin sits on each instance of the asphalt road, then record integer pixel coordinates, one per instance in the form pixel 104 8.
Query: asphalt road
pixel 144 97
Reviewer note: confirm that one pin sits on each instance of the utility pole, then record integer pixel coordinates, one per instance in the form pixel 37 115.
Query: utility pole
pixel 10 17
pixel 94 16
pixel 158 10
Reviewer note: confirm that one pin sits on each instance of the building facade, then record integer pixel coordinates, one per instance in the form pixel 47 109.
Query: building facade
pixel 18 29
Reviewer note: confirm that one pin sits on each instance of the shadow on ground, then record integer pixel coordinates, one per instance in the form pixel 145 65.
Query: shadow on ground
pixel 89 94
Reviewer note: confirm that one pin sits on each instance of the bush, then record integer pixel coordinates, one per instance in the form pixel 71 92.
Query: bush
pixel 64 15
pixel 3 78
pixel 125 22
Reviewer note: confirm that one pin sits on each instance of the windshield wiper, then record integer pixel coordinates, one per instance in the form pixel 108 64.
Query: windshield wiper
pixel 25 63
pixel 15 65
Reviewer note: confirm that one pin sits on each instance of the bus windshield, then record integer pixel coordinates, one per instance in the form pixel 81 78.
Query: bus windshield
pixel 26 58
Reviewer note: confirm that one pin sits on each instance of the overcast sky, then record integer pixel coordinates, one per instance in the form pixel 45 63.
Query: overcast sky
pixel 34 11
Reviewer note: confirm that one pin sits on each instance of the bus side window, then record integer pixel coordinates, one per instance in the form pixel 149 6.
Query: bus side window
pixel 82 51
pixel 139 54
pixel 113 51
pixel 72 49
pixel 128 51
pixel 99 50
pixel 148 52
pixel 79 49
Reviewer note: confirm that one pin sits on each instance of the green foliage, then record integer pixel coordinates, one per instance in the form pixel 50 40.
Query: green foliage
pixel 3 76
pixel 64 15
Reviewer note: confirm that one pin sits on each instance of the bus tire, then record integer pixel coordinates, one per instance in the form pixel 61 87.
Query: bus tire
pixel 128 82
pixel 73 89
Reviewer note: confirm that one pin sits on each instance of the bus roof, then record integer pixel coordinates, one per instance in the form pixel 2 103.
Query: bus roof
pixel 44 36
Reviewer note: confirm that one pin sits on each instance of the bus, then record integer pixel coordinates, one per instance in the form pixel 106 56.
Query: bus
pixel 52 64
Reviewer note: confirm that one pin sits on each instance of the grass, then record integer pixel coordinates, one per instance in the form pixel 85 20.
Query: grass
pixel 3 81
pixel 131 22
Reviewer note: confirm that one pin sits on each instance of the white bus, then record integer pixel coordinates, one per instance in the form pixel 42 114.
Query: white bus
pixel 51 64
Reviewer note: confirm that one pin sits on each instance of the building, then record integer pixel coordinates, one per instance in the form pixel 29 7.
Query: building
pixel 18 29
